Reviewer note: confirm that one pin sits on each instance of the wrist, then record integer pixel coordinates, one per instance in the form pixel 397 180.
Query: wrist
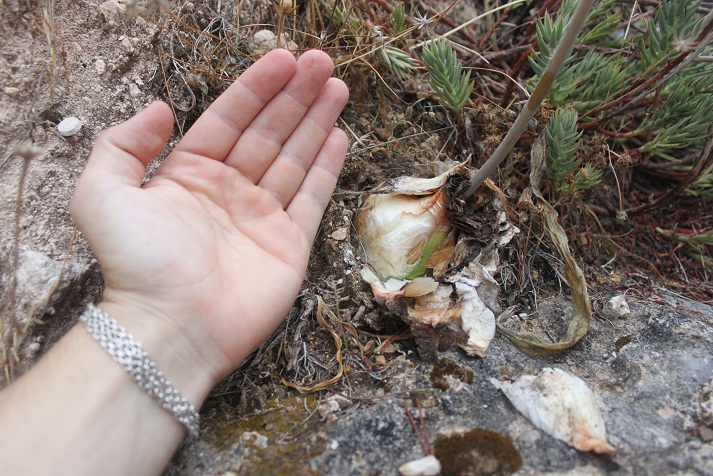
pixel 172 348
pixel 90 411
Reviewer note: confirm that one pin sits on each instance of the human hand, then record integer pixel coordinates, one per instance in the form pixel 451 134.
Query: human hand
pixel 214 247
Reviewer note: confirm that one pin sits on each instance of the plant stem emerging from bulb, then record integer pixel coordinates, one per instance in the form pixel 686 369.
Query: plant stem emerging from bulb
pixel 562 51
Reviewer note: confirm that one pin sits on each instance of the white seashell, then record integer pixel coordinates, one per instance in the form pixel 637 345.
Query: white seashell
pixel 427 466
pixel 69 126
pixel 560 404
pixel 617 307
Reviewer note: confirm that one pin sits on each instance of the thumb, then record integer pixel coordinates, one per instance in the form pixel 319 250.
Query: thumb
pixel 121 153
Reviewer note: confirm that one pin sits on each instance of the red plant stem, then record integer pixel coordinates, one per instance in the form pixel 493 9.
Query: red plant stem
pixel 623 135
pixel 484 39
pixel 424 430
pixel 424 446
pixel 528 42
pixel 498 55
pixel 640 89
pixel 668 165
pixel 516 70
pixel 704 160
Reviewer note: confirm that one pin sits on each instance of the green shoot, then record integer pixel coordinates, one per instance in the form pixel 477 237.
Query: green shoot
pixel 559 55
pixel 398 61
pixel 562 143
pixel 446 75
pixel 398 17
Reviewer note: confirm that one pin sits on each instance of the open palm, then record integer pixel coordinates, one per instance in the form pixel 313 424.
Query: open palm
pixel 216 243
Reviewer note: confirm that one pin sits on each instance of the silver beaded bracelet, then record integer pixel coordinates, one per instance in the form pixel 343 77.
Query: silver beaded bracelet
pixel 127 352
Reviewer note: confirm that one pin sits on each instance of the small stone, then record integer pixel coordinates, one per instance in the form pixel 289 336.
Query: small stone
pixel 10 91
pixel 254 438
pixel 328 408
pixel 340 234
pixel 265 41
pixel 111 11
pixel 427 466
pixel 126 43
pixel 334 404
pixel 69 126
pixel 100 66
pixel 134 90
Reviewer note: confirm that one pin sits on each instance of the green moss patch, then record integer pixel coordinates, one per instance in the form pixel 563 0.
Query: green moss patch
pixel 444 368
pixel 478 451
pixel 292 441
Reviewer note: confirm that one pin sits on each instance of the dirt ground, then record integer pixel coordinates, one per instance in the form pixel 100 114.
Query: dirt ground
pixel 89 59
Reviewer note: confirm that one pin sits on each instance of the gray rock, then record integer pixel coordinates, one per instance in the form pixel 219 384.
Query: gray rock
pixel 647 371
pixel 46 287
pixel 41 280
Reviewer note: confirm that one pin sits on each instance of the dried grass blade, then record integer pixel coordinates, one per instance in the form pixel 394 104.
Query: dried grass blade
pixel 321 308
pixel 581 308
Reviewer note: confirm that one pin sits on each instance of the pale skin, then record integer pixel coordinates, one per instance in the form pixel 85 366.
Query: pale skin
pixel 201 264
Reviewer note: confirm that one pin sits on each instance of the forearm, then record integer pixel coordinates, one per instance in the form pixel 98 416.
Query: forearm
pixel 77 412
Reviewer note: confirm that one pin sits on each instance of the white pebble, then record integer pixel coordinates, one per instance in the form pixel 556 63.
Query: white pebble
pixel 427 466
pixel 100 66
pixel 10 91
pixel 69 126
pixel 262 36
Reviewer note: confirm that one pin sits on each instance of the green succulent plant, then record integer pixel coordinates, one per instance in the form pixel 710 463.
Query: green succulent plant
pixel 446 74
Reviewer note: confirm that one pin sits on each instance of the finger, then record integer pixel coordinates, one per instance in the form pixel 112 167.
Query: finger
pixel 215 133
pixel 285 174
pixel 310 201
pixel 121 153
pixel 262 141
